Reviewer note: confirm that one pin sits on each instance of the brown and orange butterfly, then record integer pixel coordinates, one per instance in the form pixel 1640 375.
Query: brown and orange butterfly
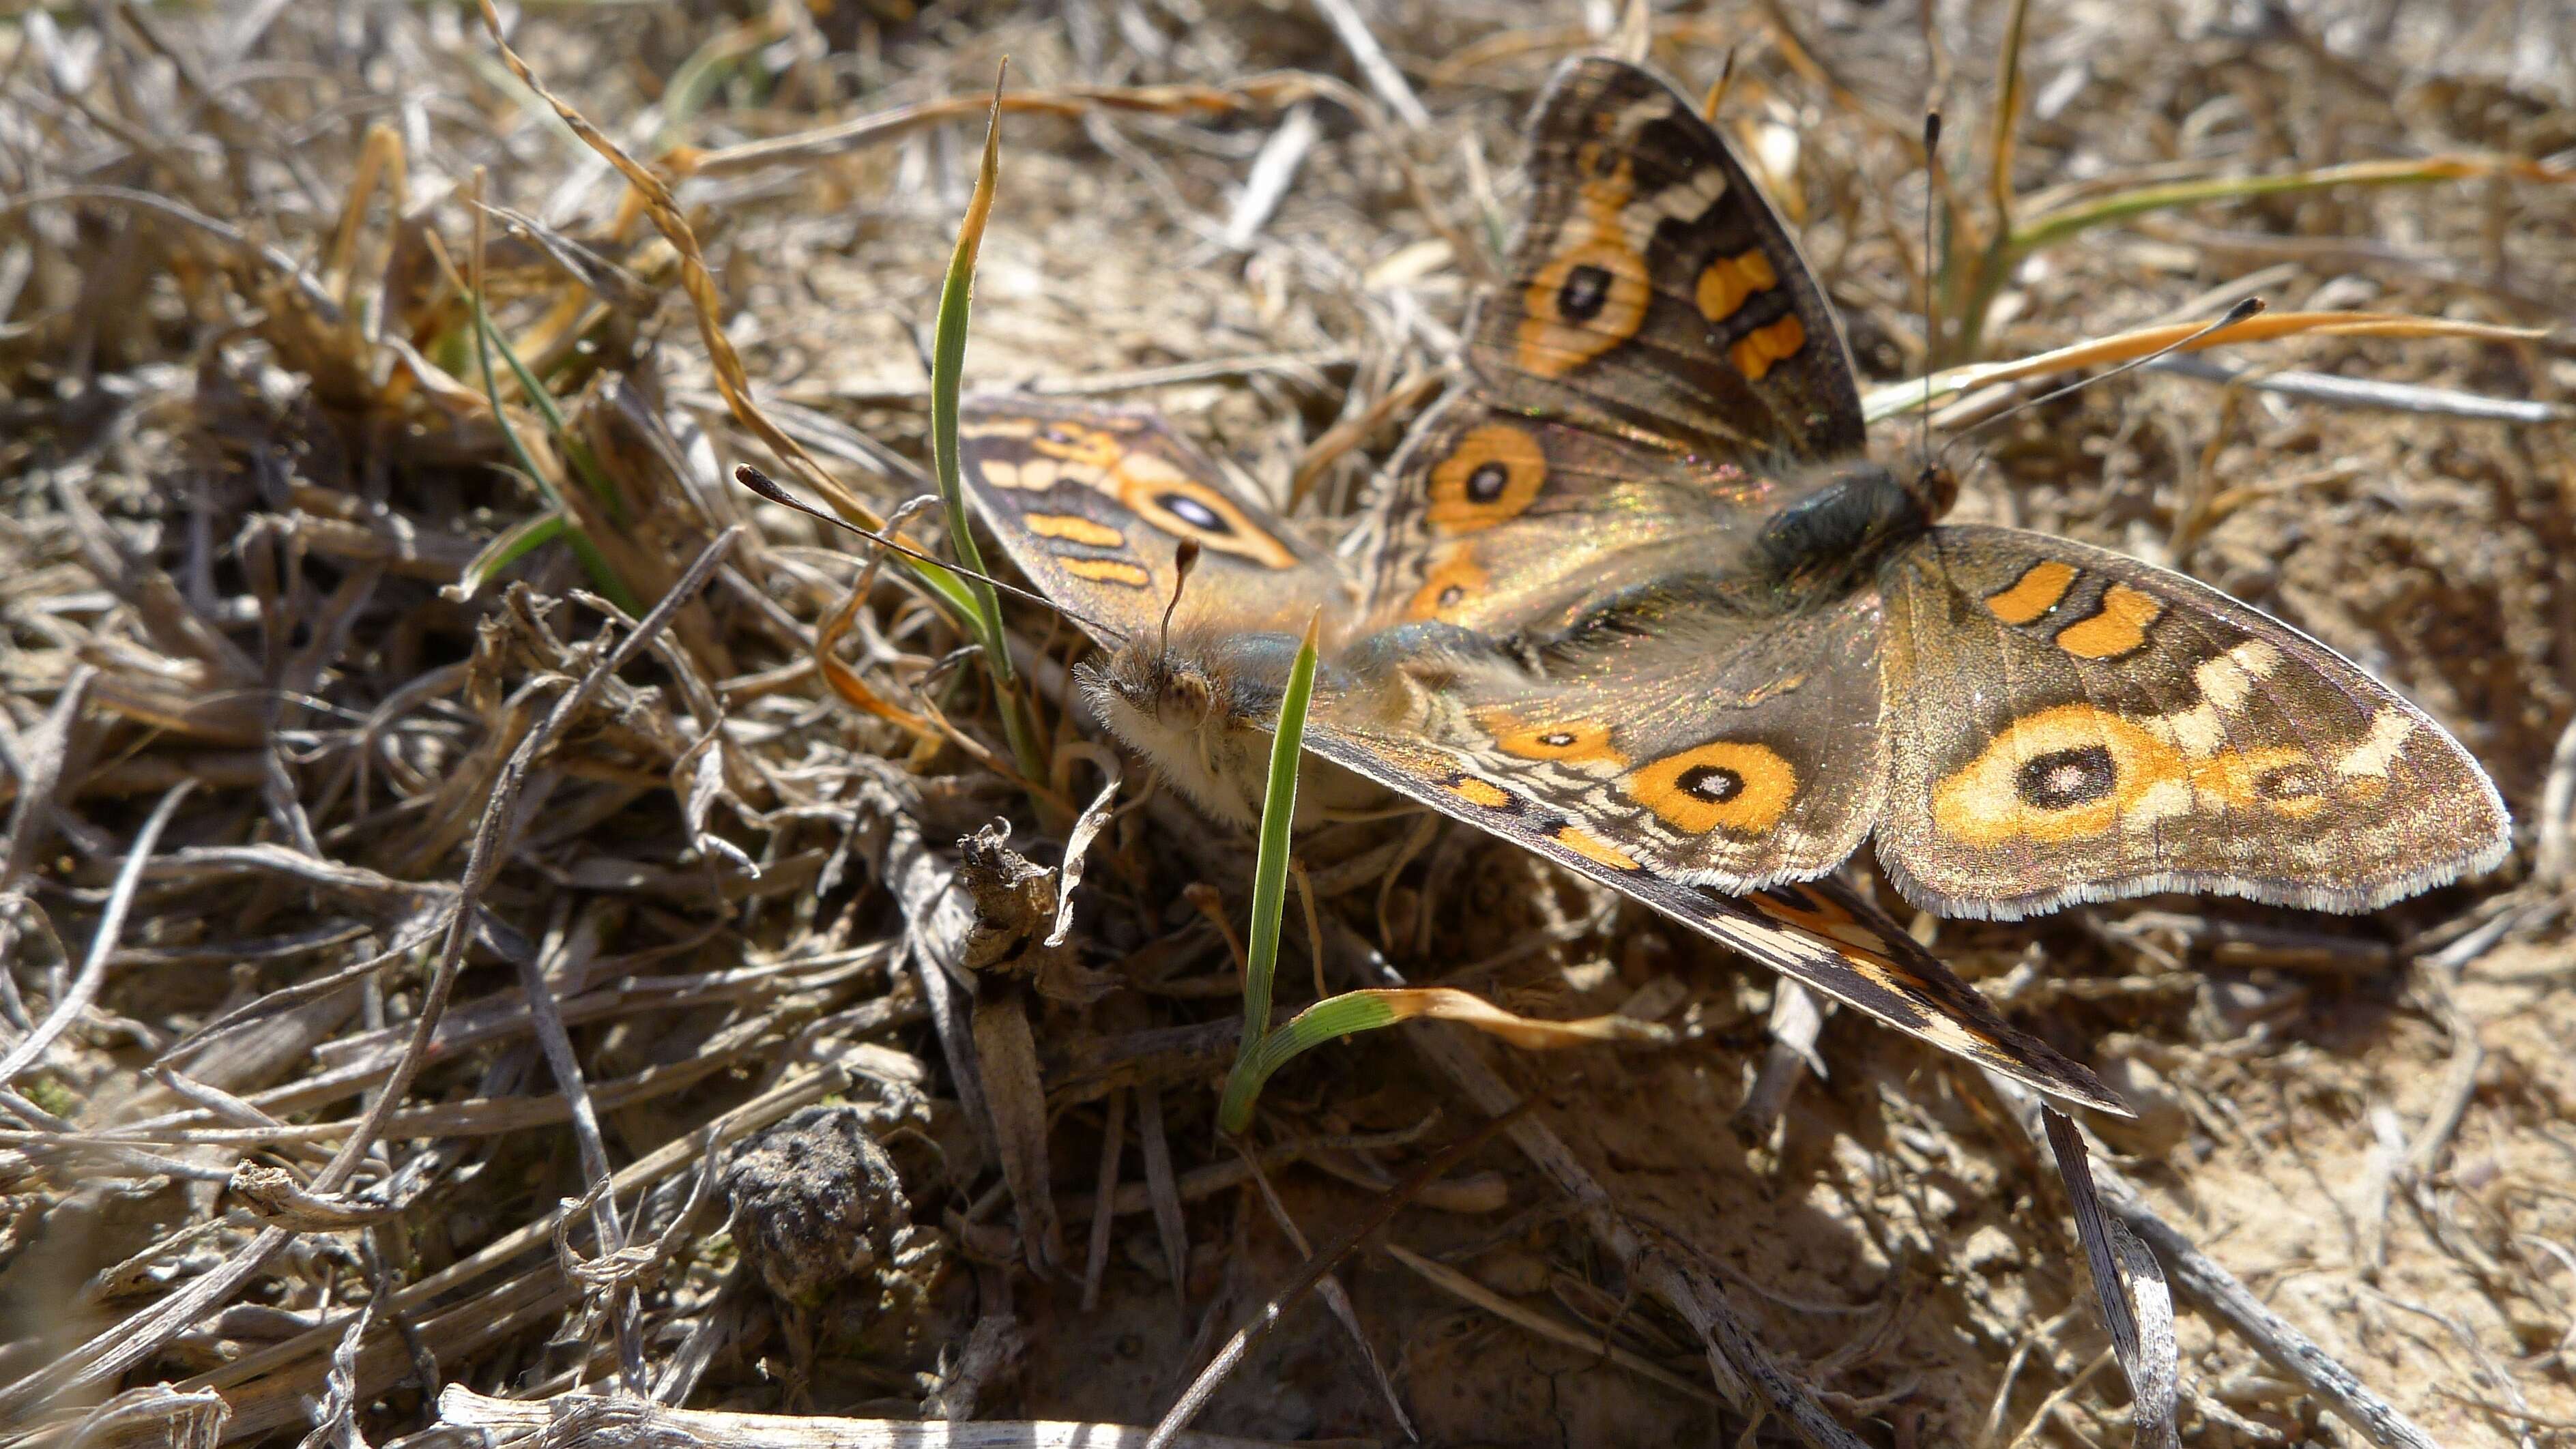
pixel 1637 599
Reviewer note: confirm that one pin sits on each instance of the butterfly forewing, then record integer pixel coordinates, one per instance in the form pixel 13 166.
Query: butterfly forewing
pixel 1093 503
pixel 2071 724
pixel 1653 292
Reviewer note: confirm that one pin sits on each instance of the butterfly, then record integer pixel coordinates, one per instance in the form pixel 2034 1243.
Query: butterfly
pixel 1636 598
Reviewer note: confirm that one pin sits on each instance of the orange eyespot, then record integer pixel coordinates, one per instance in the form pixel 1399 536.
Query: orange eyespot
pixel 2069 773
pixel 1448 591
pixel 1735 784
pixel 1493 474
pixel 2076 771
pixel 1171 500
pixel 1590 298
pixel 1575 741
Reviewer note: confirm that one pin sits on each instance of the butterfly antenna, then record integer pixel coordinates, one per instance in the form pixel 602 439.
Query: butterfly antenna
pixel 1931 275
pixel 1184 559
pixel 2238 313
pixel 768 487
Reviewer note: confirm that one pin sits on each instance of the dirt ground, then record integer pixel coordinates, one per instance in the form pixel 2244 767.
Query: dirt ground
pixel 460 910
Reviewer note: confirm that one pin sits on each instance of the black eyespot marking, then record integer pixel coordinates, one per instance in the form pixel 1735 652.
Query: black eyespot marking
pixel 1487 483
pixel 1451 595
pixel 2064 779
pixel 1715 784
pixel 1557 739
pixel 1586 289
pixel 1192 512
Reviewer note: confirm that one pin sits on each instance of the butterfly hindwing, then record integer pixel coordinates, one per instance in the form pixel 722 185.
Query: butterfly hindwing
pixel 2070 724
pixel 1092 503
pixel 1654 292
pixel 1713 749
pixel 1818 933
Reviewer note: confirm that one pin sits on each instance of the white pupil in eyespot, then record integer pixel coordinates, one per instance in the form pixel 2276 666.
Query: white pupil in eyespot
pixel 1192 512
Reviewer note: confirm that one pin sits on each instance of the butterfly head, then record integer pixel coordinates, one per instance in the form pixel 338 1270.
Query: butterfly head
pixel 1193 705
pixel 1934 488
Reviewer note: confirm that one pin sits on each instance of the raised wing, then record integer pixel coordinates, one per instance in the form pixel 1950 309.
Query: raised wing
pixel 1656 362
pixel 1653 292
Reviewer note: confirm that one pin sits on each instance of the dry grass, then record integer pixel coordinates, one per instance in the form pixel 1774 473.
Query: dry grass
pixel 384 874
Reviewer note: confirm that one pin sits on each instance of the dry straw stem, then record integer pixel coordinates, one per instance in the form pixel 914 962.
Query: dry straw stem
pixel 1318 1266
pixel 111 922
pixel 2053 216
pixel 2206 1283
pixel 1895 398
pixel 1458 1285
pixel 970 597
pixel 196 428
pixel 2016 226
pixel 732 381
pixel 1275 91
pixel 144 1334
pixel 1746 1373
pixel 264 1386
pixel 576 1419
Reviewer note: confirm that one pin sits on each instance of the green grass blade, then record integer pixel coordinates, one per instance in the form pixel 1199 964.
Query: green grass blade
pixel 576 452
pixel 1327 1020
pixel 1367 1010
pixel 1270 881
pixel 514 543
pixel 593 562
pixel 947 368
